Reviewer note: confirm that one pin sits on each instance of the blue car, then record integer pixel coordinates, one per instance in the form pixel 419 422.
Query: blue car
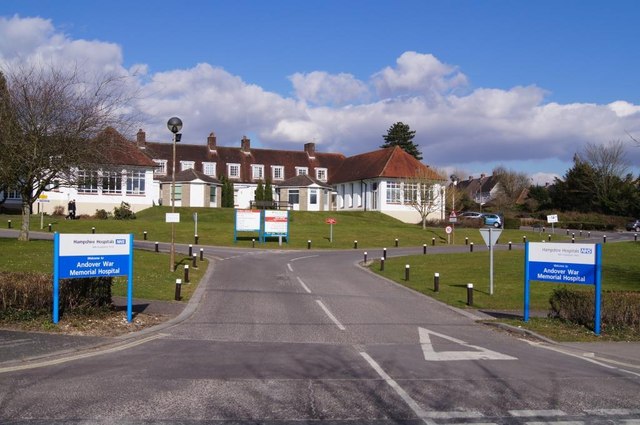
pixel 492 220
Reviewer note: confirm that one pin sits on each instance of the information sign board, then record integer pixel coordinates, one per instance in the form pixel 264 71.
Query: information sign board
pixel 172 218
pixel 276 223
pixel 248 221
pixel 552 218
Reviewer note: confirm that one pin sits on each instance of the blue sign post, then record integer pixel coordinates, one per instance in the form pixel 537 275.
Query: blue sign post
pixel 564 263
pixel 90 255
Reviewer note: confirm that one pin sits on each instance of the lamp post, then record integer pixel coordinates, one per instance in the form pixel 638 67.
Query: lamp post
pixel 454 182
pixel 174 125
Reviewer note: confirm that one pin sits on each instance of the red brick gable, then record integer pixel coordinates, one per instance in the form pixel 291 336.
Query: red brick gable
pixel 112 148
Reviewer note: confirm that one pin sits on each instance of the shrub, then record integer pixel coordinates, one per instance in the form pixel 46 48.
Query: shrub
pixel 619 309
pixel 511 223
pixel 123 212
pixel 58 210
pixel 33 292
pixel 101 215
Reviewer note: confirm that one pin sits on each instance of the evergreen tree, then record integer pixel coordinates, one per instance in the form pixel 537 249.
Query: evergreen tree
pixel 259 192
pixel 400 134
pixel 268 191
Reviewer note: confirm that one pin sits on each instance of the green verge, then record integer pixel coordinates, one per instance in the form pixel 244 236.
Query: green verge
pixel 621 272
pixel 216 227
pixel 151 276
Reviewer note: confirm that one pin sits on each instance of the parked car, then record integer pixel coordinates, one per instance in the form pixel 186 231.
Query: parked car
pixel 492 220
pixel 634 225
pixel 470 214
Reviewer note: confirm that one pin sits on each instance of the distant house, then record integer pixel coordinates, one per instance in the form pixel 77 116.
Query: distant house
pixel 480 190
pixel 125 174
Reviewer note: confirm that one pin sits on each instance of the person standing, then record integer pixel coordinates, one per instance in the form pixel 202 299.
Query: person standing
pixel 72 209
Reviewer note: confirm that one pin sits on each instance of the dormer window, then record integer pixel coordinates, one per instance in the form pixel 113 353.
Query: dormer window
pixel 209 168
pixel 302 171
pixel 233 171
pixel 257 172
pixel 321 174
pixel 161 168
pixel 277 172
pixel 187 165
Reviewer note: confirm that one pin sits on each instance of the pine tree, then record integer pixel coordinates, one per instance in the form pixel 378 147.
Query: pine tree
pixel 400 134
pixel 259 192
pixel 268 191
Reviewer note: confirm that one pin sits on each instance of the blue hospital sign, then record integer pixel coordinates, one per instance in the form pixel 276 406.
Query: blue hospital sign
pixel 562 263
pixel 91 255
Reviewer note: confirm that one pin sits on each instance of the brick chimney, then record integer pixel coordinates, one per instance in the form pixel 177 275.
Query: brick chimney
pixel 310 149
pixel 482 176
pixel 470 178
pixel 211 141
pixel 245 145
pixel 141 139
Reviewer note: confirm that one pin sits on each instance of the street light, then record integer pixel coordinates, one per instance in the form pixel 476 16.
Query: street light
pixel 174 125
pixel 454 182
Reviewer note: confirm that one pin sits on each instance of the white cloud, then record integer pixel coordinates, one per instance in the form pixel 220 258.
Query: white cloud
pixel 322 88
pixel 454 125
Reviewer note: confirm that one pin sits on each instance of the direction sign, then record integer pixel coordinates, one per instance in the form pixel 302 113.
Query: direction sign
pixel 330 220
pixel 553 218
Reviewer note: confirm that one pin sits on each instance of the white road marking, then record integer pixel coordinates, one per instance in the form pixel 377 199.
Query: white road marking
pixel 303 258
pixel 613 412
pixel 331 316
pixel 532 413
pixel 306 288
pixel 289 267
pixel 556 423
pixel 80 356
pixel 479 353
pixel 15 343
pixel 469 414
pixel 420 413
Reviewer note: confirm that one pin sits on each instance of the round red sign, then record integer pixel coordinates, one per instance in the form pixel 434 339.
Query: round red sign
pixel 330 220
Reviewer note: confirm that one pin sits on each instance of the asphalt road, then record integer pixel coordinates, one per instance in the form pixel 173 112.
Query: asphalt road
pixel 308 337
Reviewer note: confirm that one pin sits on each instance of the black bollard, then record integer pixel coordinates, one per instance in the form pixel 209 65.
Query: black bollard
pixel 157 247
pixel 382 264
pixel 93 230
pixel 509 245
pixel 178 287
pixel 635 237
pixel 549 238
pixel 573 239
pixel 8 224
pixel 406 272
pixel 384 253
pixel 567 232
pixel 355 244
pixel 194 264
pixel 201 254
pixel 471 247
pixel 469 294
pixel 588 234
pixel 466 241
pixel 49 227
pixel 424 248
pixel 436 282
pixel 524 239
pixel 604 238
pixel 365 257
pixel 309 244
pixel 396 242
pixel 433 241
pixel 253 243
pixel 195 239
pixel 144 234
pixel 186 273
pixel 190 250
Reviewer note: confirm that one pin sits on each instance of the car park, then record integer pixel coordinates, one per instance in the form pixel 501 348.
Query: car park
pixel 492 220
pixel 634 225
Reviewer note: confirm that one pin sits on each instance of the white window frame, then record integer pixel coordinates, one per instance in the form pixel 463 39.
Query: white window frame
pixel 113 180
pixel 136 182
pixel 161 170
pixel 302 171
pixel 187 165
pixel 209 168
pixel 257 172
pixel 88 182
pixel 394 192
pixel 275 169
pixel 321 174
pixel 230 168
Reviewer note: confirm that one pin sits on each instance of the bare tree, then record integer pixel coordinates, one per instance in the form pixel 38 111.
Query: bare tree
pixel 512 185
pixel 54 114
pixel 609 165
pixel 425 192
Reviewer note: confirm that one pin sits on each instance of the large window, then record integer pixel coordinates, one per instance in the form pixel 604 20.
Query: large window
pixel 278 172
pixel 212 194
pixel 178 192
pixel 410 193
pixel 112 182
pixel 87 181
pixel 313 196
pixel 294 196
pixel 209 168
pixel 135 182
pixel 393 193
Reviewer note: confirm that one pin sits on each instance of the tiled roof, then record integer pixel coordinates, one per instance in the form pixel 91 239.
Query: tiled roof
pixel 390 162
pixel 189 176
pixel 302 181
pixel 119 150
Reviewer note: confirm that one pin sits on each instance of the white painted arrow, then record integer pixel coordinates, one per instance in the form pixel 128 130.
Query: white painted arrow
pixel 478 353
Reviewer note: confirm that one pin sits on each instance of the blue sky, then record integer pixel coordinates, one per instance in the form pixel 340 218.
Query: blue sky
pixel 483 83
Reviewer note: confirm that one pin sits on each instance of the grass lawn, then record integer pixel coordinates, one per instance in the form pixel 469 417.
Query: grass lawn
pixel 151 276
pixel 216 225
pixel 621 271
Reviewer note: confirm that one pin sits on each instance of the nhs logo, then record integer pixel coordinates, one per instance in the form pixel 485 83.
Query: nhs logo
pixel 121 241
pixel 587 251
